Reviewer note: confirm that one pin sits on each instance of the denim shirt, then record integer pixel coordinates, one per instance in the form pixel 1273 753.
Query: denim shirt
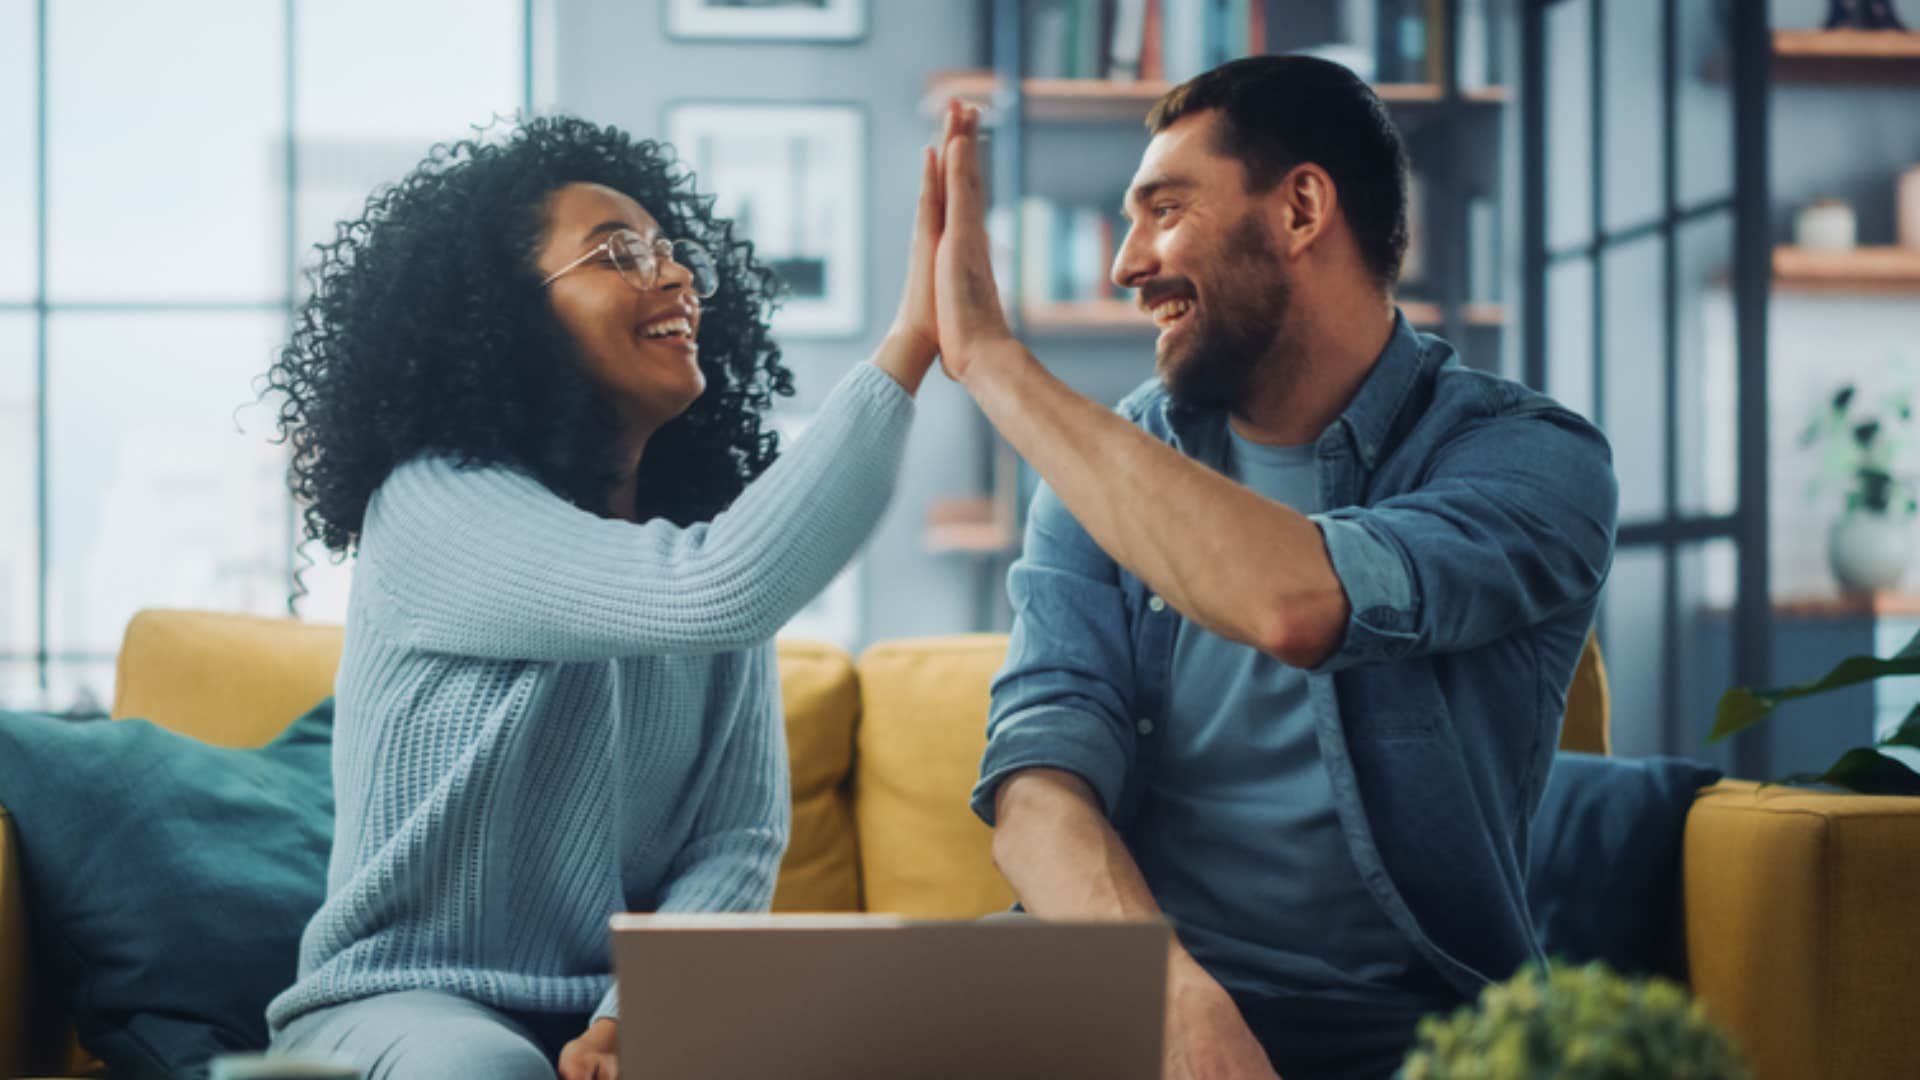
pixel 1471 522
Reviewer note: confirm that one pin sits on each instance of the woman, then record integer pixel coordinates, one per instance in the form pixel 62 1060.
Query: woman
pixel 528 391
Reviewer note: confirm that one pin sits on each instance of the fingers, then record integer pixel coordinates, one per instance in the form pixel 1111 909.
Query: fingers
pixel 961 151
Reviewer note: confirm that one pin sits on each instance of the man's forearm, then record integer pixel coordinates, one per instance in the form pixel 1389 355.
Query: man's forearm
pixel 1061 855
pixel 1247 568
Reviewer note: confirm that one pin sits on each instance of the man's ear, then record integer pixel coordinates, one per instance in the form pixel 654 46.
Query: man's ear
pixel 1302 205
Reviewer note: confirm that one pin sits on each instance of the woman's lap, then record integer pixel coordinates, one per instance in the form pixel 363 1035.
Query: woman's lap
pixel 418 1035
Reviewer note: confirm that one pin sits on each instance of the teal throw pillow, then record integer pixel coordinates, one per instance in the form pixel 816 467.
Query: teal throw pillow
pixel 1603 866
pixel 168 880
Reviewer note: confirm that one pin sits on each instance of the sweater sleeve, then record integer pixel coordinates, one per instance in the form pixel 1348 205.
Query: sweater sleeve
pixel 488 562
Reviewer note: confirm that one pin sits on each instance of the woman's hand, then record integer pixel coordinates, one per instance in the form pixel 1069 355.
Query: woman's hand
pixel 966 303
pixel 914 338
pixel 595 1055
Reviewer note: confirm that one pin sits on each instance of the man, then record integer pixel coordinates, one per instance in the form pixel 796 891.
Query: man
pixel 1292 631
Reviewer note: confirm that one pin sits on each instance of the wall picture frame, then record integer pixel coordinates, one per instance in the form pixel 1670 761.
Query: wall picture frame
pixel 792 178
pixel 767 20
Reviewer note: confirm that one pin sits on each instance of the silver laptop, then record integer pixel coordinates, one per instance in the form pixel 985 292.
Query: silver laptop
pixel 842 997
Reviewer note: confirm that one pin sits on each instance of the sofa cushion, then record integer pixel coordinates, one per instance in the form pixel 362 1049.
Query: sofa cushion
pixel 923 728
pixel 1603 862
pixel 168 880
pixel 821 870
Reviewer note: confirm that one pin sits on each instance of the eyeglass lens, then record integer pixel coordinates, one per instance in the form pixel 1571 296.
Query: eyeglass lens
pixel 640 264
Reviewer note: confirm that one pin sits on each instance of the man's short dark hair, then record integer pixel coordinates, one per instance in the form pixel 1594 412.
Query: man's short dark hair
pixel 1281 111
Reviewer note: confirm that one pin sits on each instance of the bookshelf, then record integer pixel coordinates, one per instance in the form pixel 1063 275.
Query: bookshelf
pixel 1069 84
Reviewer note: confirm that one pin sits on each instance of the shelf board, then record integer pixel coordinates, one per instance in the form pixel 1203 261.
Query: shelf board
pixel 1862 270
pixel 967 526
pixel 1123 316
pixel 1107 99
pixel 1847 55
pixel 1880 604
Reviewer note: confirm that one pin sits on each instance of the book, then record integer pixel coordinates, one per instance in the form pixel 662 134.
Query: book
pixel 1128 40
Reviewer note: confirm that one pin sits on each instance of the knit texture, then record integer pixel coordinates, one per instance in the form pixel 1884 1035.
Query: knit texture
pixel 544 717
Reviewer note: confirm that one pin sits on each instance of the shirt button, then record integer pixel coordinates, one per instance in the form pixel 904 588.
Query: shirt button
pixel 1144 726
pixel 1156 604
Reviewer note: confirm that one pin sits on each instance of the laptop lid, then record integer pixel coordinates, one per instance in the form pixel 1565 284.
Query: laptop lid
pixel 838 997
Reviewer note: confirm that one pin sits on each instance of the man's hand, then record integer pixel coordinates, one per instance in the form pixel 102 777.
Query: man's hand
pixel 1206 1037
pixel 968 305
pixel 595 1055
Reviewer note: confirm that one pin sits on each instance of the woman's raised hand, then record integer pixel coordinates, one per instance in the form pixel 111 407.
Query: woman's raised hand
pixel 913 340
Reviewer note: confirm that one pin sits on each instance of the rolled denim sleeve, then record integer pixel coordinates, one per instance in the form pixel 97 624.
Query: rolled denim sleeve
pixel 1513 524
pixel 1061 700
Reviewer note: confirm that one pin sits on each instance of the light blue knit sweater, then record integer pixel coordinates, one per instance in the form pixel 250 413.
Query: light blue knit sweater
pixel 544 717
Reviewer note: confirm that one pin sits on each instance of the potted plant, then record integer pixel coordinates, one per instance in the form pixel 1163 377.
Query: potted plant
pixel 1861 449
pixel 1575 1023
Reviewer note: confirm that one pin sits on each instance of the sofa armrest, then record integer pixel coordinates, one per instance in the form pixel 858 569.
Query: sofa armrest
pixel 1800 935
pixel 13 953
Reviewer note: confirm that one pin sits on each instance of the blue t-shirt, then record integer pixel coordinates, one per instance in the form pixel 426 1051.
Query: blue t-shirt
pixel 1238 837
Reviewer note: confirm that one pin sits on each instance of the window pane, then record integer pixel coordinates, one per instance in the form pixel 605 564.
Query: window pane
pixel 323 582
pixel 1704 653
pixel 1570 335
pixel 19 539
pixel 156 498
pixel 1709 382
pixel 1631 124
pixel 1705 105
pixel 1569 122
pixel 370 107
pixel 434 67
pixel 19 71
pixel 1633 640
pixel 1635 376
pixel 165 131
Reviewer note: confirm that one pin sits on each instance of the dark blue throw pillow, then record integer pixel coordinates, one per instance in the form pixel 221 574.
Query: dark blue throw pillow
pixel 168 880
pixel 1603 865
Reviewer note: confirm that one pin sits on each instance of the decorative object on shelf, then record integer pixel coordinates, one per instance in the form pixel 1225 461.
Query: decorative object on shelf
pixel 767 20
pixel 793 179
pixel 1862 15
pixel 1825 225
pixel 1484 270
pixel 1576 1023
pixel 1909 210
pixel 1863 450
pixel 1870 770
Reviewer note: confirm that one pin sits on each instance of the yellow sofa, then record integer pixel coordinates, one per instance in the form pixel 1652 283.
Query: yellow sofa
pixel 1798 905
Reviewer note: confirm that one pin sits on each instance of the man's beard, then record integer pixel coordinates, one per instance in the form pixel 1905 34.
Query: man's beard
pixel 1238 329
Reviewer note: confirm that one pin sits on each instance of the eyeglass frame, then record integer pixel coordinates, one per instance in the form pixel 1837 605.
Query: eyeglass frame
pixel 607 247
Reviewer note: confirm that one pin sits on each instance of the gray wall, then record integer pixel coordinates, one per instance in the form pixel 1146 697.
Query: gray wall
pixel 614 64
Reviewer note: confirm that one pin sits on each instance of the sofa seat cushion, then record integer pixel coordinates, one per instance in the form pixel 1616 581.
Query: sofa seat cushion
pixel 1603 861
pixel 923 728
pixel 167 880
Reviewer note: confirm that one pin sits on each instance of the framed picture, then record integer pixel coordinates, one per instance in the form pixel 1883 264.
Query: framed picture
pixel 836 614
pixel 793 179
pixel 768 20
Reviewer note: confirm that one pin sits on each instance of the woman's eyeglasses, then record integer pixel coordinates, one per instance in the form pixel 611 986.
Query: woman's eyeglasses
pixel 639 262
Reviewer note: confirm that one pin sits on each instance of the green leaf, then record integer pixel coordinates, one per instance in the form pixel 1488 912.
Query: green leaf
pixel 1868 772
pixel 1741 708
pixel 1907 734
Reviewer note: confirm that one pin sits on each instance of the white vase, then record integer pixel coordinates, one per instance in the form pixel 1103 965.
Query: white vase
pixel 1869 550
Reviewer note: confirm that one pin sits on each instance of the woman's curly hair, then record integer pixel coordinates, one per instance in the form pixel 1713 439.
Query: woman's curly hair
pixel 428 331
